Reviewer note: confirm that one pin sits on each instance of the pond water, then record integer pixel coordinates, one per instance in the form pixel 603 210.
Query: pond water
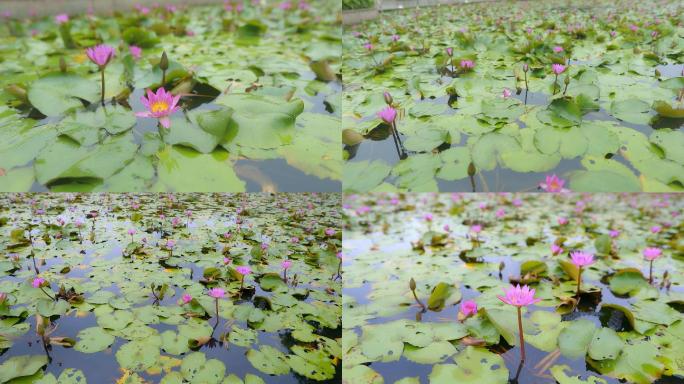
pixel 254 116
pixel 382 254
pixel 514 142
pixel 271 322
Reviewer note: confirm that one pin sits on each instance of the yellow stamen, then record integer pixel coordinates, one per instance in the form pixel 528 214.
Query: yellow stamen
pixel 159 106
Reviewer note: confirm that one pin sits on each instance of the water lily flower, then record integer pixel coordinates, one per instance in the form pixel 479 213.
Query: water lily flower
pixel 131 231
pixel 633 28
pixel 467 64
pixel 286 264
pixel 613 33
pixel 562 220
pixel 101 55
pixel 388 115
pixel 160 106
pixel 468 308
pixel 135 51
pixel 368 46
pixel 519 297
pixel 581 259
pixel 651 254
pixel 500 213
pixel 553 183
pixel 428 217
pixel 614 233
pixel 3 298
pixel 558 68
pixel 187 298
pixel 38 282
pixel 450 51
pixel 395 38
pixel 507 93
pixel 558 49
pixel 556 249
pixel 656 228
pixel 217 293
pixel 477 228
pixel 62 18
pixel 227 260
pixel 446 228
pixel 243 270
pixel 294 240
pixel 330 231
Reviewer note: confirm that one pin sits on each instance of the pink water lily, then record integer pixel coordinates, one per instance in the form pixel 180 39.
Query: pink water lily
pixel 467 64
pixel 135 51
pixel 186 298
pixel 651 254
pixel 38 282
pixel 558 68
pixel 553 183
pixel 614 233
pixel 62 18
pixel 519 297
pixel 160 106
pixel 100 54
pixel 388 115
pixel 506 93
pixel 582 259
pixel 468 308
pixel 217 293
pixel 286 264
pixel 558 49
pixel 244 270
pixel 556 249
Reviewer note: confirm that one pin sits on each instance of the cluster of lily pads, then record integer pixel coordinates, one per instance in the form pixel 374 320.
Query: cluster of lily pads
pixel 491 98
pixel 521 288
pixel 177 288
pixel 240 93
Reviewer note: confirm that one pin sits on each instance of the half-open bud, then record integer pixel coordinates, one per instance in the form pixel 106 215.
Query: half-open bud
pixel 164 62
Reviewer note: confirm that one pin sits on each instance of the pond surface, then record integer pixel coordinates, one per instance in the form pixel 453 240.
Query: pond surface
pixel 260 106
pixel 388 241
pixel 612 128
pixel 118 327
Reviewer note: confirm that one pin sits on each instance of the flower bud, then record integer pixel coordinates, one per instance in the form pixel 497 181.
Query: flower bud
pixel 525 67
pixel 164 62
pixel 388 98
pixel 471 169
pixel 62 65
pixel 567 80
pixel 412 284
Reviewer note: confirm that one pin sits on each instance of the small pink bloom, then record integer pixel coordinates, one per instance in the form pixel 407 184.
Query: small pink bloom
pixel 368 46
pixel 38 282
pixel 135 51
pixel 294 240
pixel 62 18
pixel 467 64
pixel 651 254
pixel 507 93
pixel 131 231
pixel 160 106
pixel 582 259
pixel 633 28
pixel 469 308
pixel 447 228
pixel 558 68
pixel 558 49
pixel 500 213
pixel 562 221
pixel 477 228
pixel 613 33
pixel 339 255
pixel 519 296
pixel 388 115
pixel 395 38
pixel 428 217
pixel 217 293
pixel 614 233
pixel 556 249
pixel 656 229
pixel 100 54
pixel 450 51
pixel 227 260
pixel 330 231
pixel 186 298
pixel 553 183
pixel 286 264
pixel 170 244
pixel 3 298
pixel 244 270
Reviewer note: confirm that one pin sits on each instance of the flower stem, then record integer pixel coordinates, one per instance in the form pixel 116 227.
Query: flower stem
pixel 103 85
pixel 579 281
pixel 163 77
pixel 242 282
pixel 650 273
pixel 48 295
pixel 526 86
pixel 217 313
pixel 554 84
pixel 520 331
pixel 417 299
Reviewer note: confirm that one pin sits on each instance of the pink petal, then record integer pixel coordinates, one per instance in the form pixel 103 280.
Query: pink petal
pixel 143 114
pixel 165 122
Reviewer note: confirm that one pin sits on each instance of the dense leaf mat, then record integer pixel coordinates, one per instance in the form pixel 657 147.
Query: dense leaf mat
pixel 260 101
pixel 623 327
pixel 615 125
pixel 133 308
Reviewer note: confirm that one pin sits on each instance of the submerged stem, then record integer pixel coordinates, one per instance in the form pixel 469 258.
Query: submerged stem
pixel 579 281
